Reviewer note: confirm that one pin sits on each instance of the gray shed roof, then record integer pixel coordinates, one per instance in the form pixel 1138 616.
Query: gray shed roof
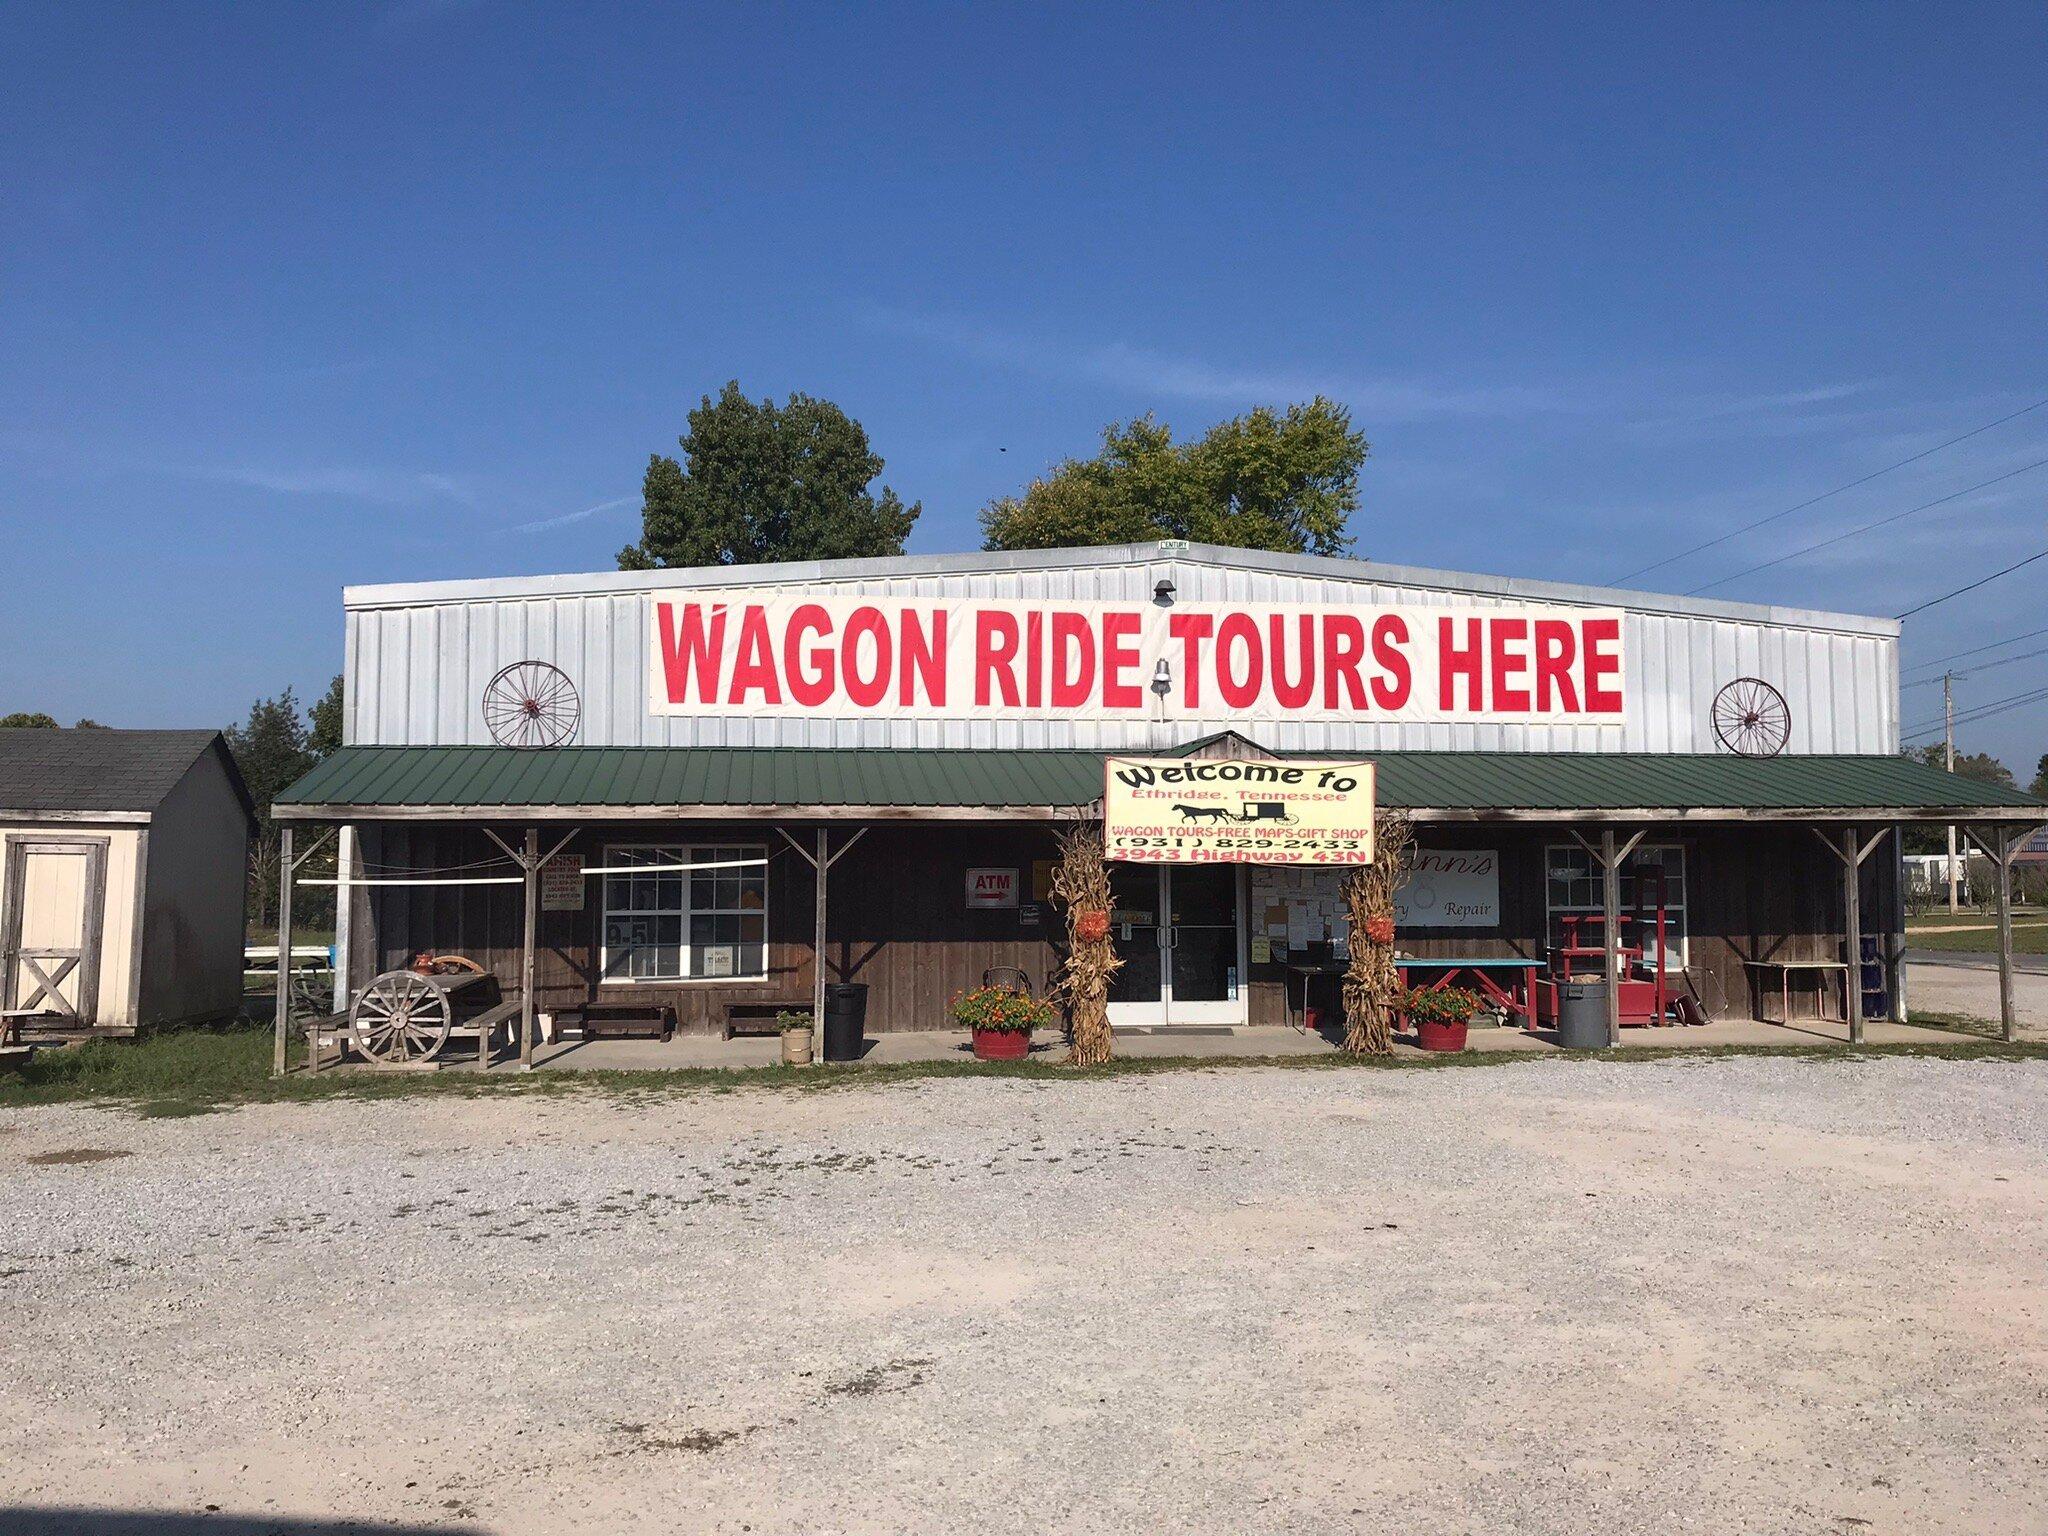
pixel 101 770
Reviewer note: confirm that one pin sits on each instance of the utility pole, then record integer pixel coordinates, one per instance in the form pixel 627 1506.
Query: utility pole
pixel 1948 719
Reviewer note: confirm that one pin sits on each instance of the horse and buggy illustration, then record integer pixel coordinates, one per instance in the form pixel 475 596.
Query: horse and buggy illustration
pixel 1253 813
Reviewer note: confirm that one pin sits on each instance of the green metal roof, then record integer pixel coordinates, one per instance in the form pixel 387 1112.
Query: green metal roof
pixel 697 776
pixel 389 779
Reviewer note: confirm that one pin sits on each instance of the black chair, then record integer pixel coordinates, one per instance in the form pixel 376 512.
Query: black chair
pixel 1009 976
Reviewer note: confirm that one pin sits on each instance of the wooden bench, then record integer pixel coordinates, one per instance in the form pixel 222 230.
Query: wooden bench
pixel 756 1016
pixel 618 1021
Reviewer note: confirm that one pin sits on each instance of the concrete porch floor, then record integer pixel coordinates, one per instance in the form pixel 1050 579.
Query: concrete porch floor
pixel 1274 1041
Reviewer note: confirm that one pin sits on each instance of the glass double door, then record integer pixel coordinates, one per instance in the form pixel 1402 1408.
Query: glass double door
pixel 1176 929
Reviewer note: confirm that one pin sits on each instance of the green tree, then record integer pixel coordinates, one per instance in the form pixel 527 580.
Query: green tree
pixel 22 720
pixel 2039 788
pixel 324 720
pixel 761 482
pixel 1285 482
pixel 87 725
pixel 272 749
pixel 1981 766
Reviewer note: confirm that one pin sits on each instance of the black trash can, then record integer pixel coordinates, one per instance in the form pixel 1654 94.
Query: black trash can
pixel 1582 1015
pixel 846 1017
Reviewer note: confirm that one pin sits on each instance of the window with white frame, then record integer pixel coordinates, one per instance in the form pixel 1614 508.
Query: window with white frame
pixel 675 924
pixel 1572 889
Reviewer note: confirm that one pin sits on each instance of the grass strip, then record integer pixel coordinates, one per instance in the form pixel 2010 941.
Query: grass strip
pixel 195 1072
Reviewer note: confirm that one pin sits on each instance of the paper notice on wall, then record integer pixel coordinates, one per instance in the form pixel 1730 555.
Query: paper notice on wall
pixel 562 884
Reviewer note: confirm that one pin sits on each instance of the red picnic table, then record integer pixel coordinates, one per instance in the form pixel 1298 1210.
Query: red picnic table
pixel 1517 996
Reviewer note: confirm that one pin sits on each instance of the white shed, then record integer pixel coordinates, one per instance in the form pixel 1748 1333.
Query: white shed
pixel 123 876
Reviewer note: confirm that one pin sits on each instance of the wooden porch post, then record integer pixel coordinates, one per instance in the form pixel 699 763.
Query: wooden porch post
pixel 821 866
pixel 1852 920
pixel 1610 905
pixel 1895 940
pixel 284 950
pixel 532 888
pixel 2003 846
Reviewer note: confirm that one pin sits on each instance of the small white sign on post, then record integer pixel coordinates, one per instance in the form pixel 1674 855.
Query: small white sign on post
pixel 561 883
pixel 992 888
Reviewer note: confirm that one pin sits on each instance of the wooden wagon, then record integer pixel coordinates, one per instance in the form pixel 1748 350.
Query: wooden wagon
pixel 406 1018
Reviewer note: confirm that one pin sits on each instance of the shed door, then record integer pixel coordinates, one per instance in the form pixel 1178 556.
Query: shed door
pixel 55 893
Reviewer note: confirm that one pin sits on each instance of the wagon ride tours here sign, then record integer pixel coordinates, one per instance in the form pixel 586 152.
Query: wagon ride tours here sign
pixel 1177 810
pixel 763 652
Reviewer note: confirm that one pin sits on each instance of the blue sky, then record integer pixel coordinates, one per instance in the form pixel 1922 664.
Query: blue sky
pixel 297 296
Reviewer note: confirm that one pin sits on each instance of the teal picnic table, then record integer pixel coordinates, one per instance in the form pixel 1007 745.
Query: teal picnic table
pixel 1508 983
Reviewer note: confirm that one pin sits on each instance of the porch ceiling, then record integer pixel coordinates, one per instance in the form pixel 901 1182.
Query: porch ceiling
pixel 369 783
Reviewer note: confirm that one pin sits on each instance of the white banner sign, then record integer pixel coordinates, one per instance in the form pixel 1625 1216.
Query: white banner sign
pixel 769 652
pixel 1451 888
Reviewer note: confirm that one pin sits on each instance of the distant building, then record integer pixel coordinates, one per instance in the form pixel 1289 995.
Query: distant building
pixel 123 876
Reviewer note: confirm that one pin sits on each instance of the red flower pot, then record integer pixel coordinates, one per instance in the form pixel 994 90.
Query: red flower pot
pixel 1440 1037
pixel 1001 1044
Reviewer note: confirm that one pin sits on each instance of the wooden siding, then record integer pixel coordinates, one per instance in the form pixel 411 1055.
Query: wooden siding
pixel 897 917
pixel 1767 892
pixel 899 923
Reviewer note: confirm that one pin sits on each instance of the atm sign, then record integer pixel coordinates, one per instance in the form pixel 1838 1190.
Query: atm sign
pixel 992 888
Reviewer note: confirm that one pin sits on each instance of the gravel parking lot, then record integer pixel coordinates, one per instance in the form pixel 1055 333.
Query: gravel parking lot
pixel 1578 1297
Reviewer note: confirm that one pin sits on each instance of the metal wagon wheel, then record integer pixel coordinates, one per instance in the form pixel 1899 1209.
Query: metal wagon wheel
pixel 531 704
pixel 1751 719
pixel 400 1017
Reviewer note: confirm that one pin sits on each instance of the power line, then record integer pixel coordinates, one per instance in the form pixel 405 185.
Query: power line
pixel 1975 650
pixel 1935 602
pixel 1824 495
pixel 1721 581
pixel 1934 733
pixel 1989 666
pixel 1980 712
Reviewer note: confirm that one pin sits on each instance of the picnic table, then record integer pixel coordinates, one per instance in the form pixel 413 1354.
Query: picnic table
pixel 1484 975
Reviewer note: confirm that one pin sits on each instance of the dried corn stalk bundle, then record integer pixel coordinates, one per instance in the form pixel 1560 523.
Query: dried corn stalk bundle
pixel 1080 883
pixel 1370 981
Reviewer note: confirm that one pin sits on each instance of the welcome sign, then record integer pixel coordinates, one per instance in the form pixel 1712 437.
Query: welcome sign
pixel 1179 810
pixel 771 652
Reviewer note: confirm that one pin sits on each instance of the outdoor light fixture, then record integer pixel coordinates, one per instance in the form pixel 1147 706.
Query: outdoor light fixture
pixel 1163 593
pixel 1162 678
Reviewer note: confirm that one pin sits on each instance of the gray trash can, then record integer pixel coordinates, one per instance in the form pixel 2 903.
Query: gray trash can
pixel 1582 1015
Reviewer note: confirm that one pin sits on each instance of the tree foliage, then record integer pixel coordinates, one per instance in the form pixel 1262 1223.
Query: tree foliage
pixel 323 721
pixel 2039 788
pixel 1285 482
pixel 24 720
pixel 760 482
pixel 1981 766
pixel 272 750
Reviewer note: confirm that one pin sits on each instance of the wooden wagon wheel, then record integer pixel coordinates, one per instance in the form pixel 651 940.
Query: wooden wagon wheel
pixel 400 1017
